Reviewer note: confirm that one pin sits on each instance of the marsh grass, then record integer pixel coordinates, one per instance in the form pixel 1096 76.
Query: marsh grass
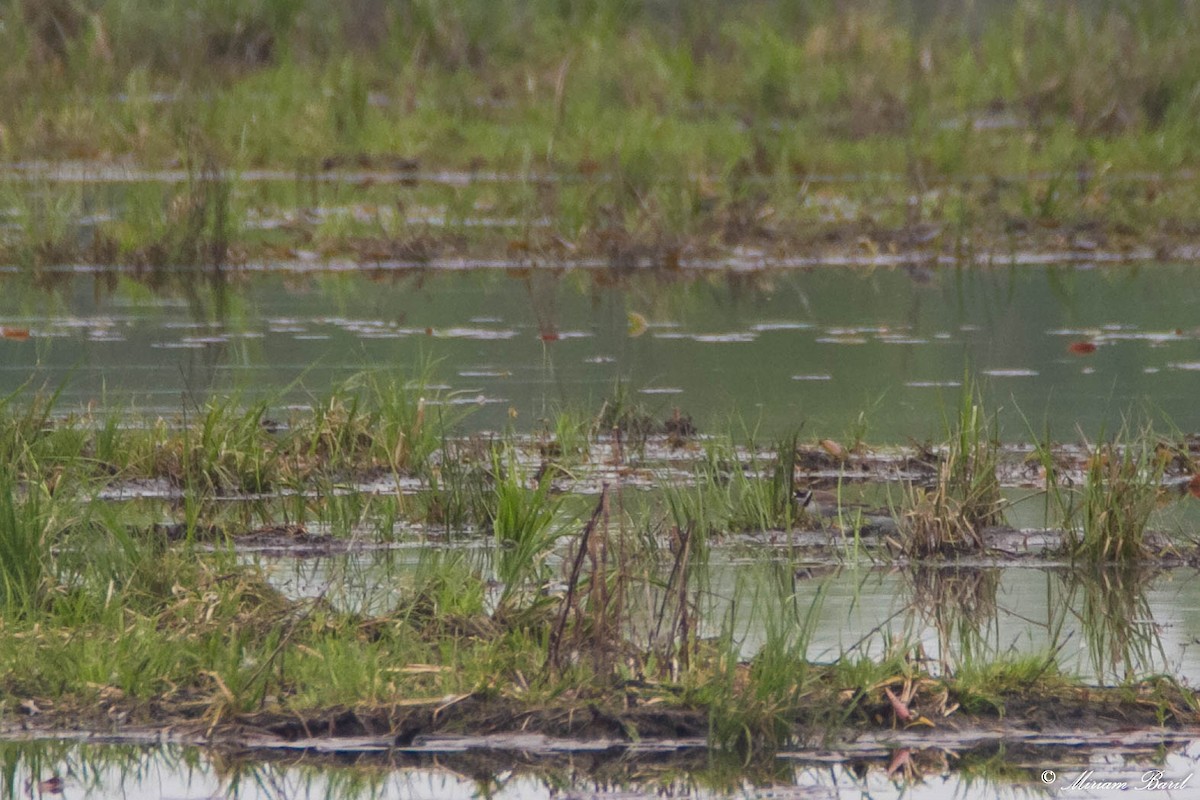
pixel 26 535
pixel 948 517
pixel 623 416
pixel 373 428
pixel 461 483
pixel 47 229
pixel 568 436
pixel 590 621
pixel 225 450
pixel 725 495
pixel 768 503
pixel 668 132
pixel 26 430
pixel 447 587
pixel 759 699
pixel 1105 519
pixel 674 640
pixel 194 230
pixel 1119 496
pixel 984 685
pixel 372 420
pixel 525 525
pixel 569 602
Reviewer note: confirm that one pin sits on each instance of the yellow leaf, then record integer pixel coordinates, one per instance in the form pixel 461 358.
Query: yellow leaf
pixel 637 324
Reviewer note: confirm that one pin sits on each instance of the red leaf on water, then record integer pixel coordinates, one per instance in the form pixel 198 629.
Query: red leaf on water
pixel 16 334
pixel 548 336
pixel 1194 486
pixel 1081 348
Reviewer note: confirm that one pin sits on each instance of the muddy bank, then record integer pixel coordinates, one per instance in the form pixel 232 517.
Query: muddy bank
pixel 641 458
pixel 640 719
pixel 815 550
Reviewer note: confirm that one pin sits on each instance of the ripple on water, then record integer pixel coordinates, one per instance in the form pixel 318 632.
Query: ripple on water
pixel 483 334
pixel 1015 372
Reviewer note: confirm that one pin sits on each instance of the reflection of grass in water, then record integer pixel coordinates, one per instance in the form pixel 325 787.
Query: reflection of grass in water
pixel 525 525
pixel 758 699
pixel 124 769
pixel 1114 614
pixel 982 770
pixel 960 604
pixel 1122 638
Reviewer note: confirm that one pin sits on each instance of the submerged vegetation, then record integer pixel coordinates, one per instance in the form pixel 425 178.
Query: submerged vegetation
pixel 591 586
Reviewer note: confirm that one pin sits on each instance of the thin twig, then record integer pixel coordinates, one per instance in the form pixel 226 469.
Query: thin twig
pixel 552 659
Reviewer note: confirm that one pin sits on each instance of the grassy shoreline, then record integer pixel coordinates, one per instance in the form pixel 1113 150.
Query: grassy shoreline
pixel 674 134
pixel 862 85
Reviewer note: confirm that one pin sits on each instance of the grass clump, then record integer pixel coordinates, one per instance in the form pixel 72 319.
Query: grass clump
pixel 1105 518
pixel 768 503
pixel 525 525
pixel 726 496
pixel 948 517
pixel 1119 495
pixel 26 533
pixel 982 685
pixel 370 421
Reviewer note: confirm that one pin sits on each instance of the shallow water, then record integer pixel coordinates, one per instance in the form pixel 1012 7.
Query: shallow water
pixel 1103 630
pixel 877 354
pixel 178 773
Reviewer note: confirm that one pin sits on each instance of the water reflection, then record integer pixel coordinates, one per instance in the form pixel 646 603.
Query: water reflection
pixel 776 348
pixel 959 604
pixel 66 769
pixel 1116 620
pixel 1107 626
